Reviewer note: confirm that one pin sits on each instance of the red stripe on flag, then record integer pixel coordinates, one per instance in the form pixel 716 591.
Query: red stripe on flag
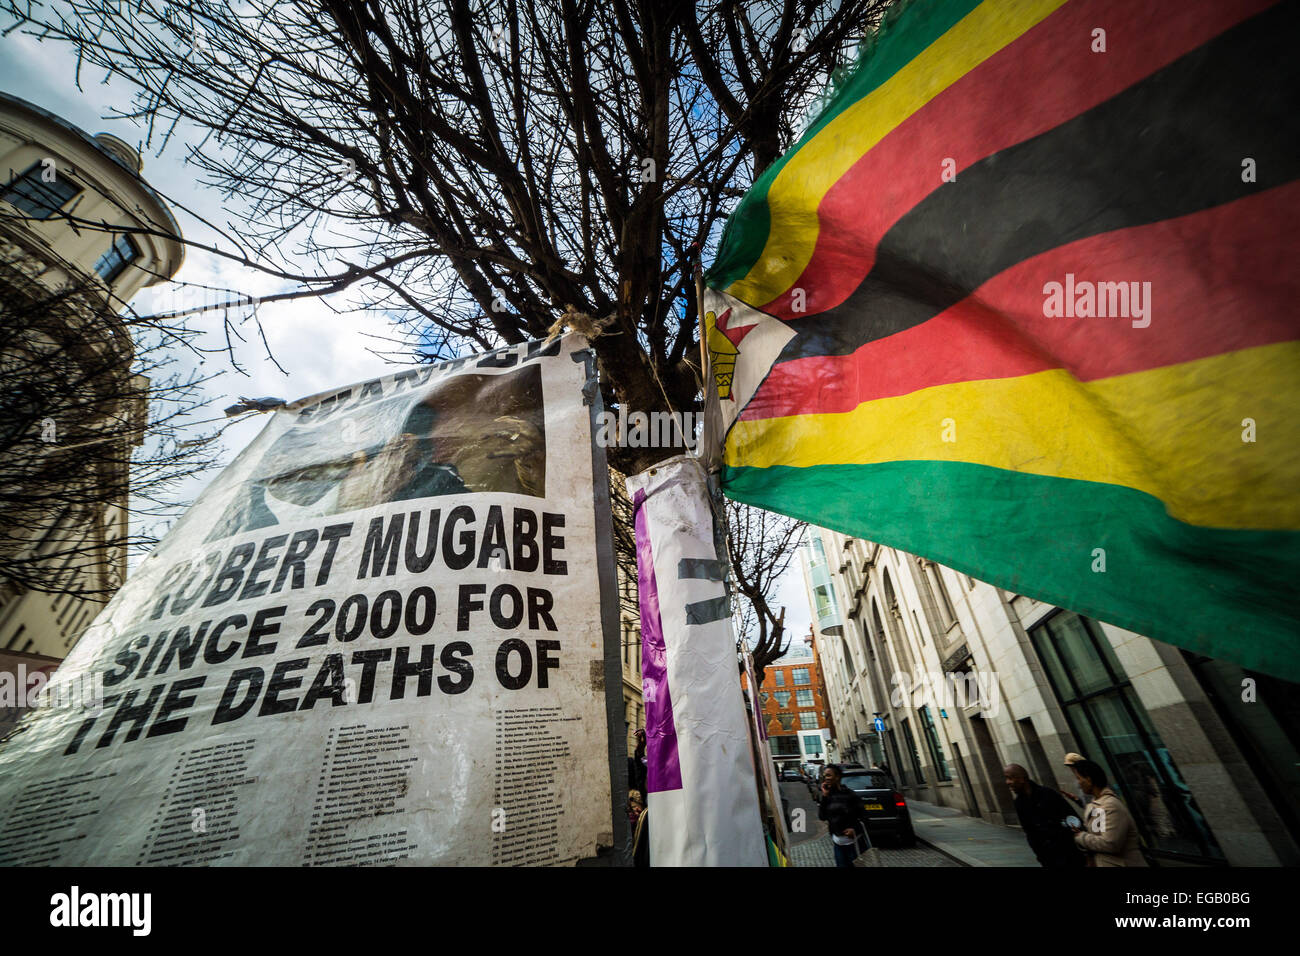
pixel 1221 279
pixel 1053 65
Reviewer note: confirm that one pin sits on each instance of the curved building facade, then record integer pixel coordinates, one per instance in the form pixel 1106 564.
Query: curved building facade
pixel 80 234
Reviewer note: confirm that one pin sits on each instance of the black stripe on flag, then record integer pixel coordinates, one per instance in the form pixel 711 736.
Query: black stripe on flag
pixel 1168 146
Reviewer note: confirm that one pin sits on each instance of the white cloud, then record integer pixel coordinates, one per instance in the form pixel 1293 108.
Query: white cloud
pixel 318 349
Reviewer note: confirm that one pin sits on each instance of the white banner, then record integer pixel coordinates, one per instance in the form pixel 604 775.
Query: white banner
pixel 375 638
pixel 701 793
pixel 767 776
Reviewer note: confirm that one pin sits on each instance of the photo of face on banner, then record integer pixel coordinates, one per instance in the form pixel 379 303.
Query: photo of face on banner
pixel 467 433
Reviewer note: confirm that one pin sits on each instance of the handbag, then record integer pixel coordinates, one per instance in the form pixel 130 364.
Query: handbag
pixel 868 855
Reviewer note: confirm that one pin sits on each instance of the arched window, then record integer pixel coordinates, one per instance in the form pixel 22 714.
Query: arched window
pixel 899 638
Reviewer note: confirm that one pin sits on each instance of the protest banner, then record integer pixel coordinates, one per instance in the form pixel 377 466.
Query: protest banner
pixel 386 633
pixel 700 779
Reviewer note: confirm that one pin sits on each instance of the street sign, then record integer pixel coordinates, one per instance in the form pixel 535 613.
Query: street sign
pixel 880 726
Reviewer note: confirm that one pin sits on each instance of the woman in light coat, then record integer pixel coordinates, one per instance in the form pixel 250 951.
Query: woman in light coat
pixel 1109 835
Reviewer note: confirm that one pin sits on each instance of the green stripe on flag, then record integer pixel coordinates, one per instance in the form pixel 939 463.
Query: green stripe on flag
pixel 1223 593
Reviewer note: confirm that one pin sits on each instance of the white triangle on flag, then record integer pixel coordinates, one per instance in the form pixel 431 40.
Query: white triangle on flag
pixel 744 343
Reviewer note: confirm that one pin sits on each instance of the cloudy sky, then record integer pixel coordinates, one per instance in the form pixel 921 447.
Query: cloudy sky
pixel 318 348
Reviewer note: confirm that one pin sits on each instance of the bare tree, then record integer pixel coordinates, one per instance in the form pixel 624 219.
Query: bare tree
pixel 760 546
pixel 477 169
pixel 90 447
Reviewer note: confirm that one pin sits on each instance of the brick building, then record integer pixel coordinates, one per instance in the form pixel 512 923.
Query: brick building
pixel 793 702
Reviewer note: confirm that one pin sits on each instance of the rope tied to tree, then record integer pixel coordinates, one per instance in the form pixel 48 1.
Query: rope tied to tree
pixel 576 321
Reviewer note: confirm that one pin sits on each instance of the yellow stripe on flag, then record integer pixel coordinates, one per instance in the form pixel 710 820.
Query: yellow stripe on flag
pixel 797 190
pixel 1174 432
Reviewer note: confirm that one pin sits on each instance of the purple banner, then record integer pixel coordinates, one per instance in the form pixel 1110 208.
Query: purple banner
pixel 663 768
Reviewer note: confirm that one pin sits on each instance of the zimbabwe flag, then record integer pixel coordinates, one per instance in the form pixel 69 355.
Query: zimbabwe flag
pixel 1023 300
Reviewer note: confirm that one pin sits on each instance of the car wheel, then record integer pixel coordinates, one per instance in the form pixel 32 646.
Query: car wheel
pixel 907 838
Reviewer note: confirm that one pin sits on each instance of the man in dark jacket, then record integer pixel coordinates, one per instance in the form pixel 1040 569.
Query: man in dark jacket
pixel 1042 812
pixel 843 812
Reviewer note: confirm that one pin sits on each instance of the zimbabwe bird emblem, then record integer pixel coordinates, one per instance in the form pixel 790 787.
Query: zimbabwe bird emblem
pixel 724 348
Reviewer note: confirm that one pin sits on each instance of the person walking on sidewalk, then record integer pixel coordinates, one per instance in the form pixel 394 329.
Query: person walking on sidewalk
pixel 1074 797
pixel 843 812
pixel 1108 835
pixel 1043 812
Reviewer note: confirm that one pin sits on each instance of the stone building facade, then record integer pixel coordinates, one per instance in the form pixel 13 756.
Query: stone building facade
pixel 629 616
pixel 965 678
pixel 50 170
pixel 630 646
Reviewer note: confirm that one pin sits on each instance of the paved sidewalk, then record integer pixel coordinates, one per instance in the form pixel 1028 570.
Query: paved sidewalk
pixel 818 852
pixel 812 853
pixel 969 840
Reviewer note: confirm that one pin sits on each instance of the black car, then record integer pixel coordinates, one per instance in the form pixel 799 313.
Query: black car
pixel 887 812
pixel 791 775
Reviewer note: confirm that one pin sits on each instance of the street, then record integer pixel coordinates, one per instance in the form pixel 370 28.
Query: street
pixel 810 844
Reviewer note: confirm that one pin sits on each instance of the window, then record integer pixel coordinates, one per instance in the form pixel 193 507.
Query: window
pixel 1266 727
pixel 912 752
pixel 932 740
pixel 936 592
pixel 893 610
pixel 1113 729
pixel 786 721
pixel 120 254
pixel 765 696
pixel 945 605
pixel 784 746
pixel 823 595
pixel 778 678
pixel 867 780
pixel 782 697
pixel 804 698
pixel 801 676
pixel 17 635
pixel 36 197
pixel 812 745
pixel 898 768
